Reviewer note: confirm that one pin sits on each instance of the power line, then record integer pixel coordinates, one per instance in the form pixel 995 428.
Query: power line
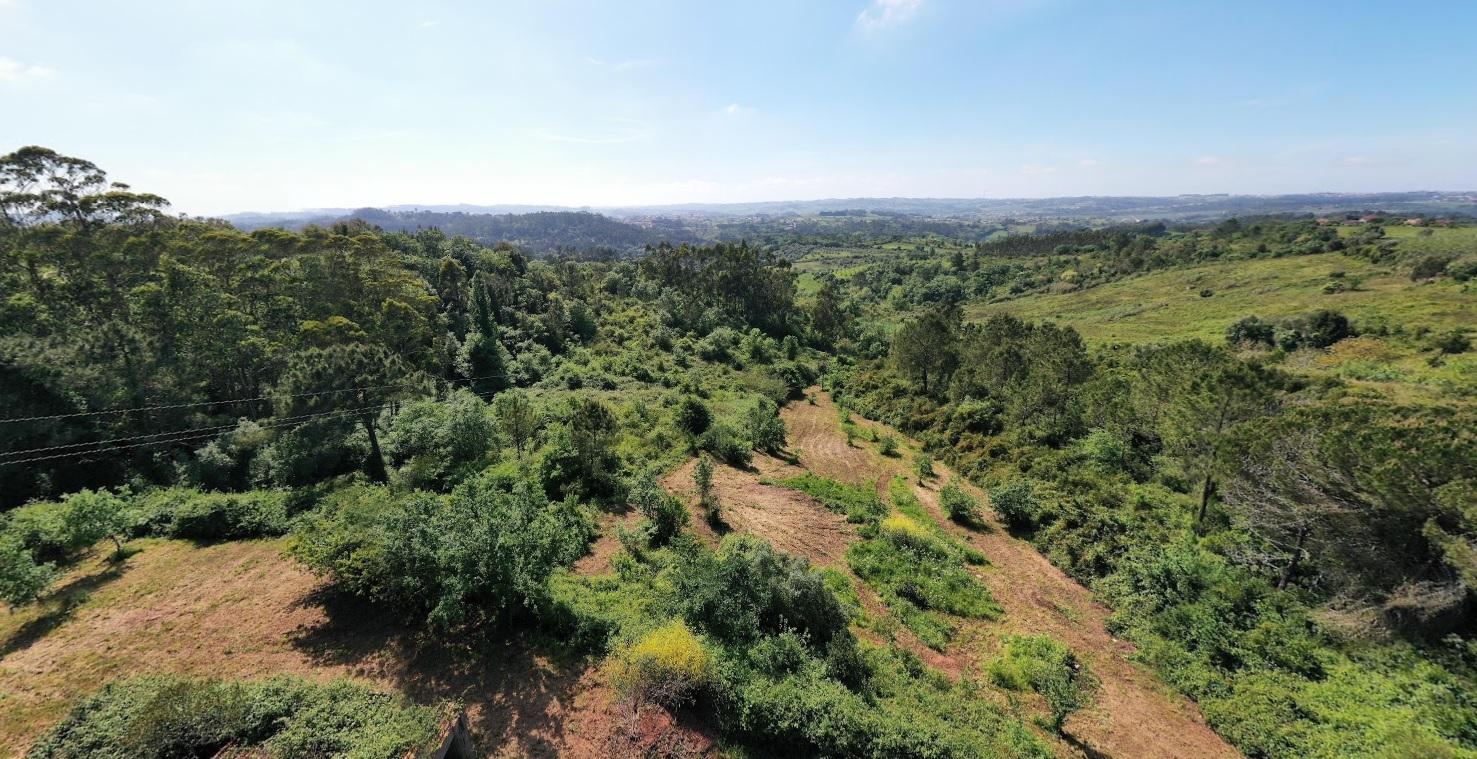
pixel 186 438
pixel 211 403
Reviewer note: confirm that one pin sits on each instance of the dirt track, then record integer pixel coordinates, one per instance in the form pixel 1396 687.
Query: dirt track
pixel 1134 715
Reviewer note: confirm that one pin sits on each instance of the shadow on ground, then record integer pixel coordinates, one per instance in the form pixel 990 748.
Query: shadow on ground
pixel 518 691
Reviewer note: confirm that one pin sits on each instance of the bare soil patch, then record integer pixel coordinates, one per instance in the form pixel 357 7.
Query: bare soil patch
pixel 1135 714
pixel 243 610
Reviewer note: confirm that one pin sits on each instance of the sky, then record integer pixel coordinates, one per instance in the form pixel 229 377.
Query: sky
pixel 229 105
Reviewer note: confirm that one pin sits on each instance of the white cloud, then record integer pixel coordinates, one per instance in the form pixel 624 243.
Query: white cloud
pixel 1209 160
pixel 1036 170
pixel 734 109
pixel 12 70
pixel 427 24
pixel 1088 163
pixel 882 14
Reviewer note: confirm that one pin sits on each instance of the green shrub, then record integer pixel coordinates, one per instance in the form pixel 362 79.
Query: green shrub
pixel 437 443
pixel 887 446
pixel 171 716
pixel 208 517
pixel 692 416
pixel 747 588
pixel 725 445
pixel 1016 504
pixel 466 560
pixel 665 515
pixel 859 504
pixel 959 505
pixel 1048 667
pixel 668 666
pixel 923 466
pixel 765 428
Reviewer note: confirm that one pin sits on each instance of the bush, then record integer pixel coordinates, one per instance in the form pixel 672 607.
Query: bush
pixel 22 580
pixel 1250 331
pixel 887 446
pixel 959 505
pixel 747 589
pixel 923 465
pixel 462 561
pixel 665 515
pixel 765 427
pixel 1429 267
pixel 667 666
pixel 1048 667
pixel 437 443
pixel 172 716
pixel 1463 271
pixel 725 445
pixel 1016 504
pixel 692 416
pixel 207 517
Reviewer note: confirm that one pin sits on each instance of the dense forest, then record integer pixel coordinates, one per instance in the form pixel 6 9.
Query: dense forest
pixel 447 428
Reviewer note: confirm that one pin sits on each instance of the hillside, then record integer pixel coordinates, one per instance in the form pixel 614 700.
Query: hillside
pixel 1123 490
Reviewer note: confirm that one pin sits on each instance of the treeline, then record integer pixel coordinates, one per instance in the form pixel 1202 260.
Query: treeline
pixel 137 346
pixel 1299 564
pixel 542 232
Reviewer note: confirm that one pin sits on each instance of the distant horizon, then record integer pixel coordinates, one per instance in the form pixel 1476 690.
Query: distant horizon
pixel 654 103
pixel 467 207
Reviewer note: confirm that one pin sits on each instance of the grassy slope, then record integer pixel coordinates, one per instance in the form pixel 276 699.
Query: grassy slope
pixel 1167 305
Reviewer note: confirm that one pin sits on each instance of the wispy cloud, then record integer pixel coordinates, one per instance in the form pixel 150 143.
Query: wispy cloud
pixel 1036 170
pixel 1209 160
pixel 734 109
pixel 1088 163
pixel 427 24
pixel 882 14
pixel 12 70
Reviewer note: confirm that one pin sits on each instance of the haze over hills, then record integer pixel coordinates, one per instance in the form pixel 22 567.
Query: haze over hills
pixel 1097 207
pixel 544 229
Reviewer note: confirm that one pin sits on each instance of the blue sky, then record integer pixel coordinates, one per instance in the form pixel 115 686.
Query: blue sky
pixel 228 105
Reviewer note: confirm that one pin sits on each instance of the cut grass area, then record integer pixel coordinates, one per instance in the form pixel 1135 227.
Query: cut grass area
pixel 860 504
pixel 920 571
pixel 1168 305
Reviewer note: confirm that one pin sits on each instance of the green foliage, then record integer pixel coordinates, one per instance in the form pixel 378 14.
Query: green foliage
pixel 208 517
pixel 471 559
pixel 171 716
pixel 747 589
pixel 668 666
pixel 22 580
pixel 861 505
pixel 923 466
pixel 726 445
pixel 920 573
pixel 692 416
pixel 665 515
pixel 435 444
pixel 1016 504
pixel 1048 667
pixel 765 429
pixel 959 505
pixel 887 445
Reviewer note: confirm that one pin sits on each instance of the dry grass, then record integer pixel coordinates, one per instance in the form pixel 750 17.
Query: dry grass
pixel 244 610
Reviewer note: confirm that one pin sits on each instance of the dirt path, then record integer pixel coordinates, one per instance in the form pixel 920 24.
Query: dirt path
pixel 1134 715
pixel 244 610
